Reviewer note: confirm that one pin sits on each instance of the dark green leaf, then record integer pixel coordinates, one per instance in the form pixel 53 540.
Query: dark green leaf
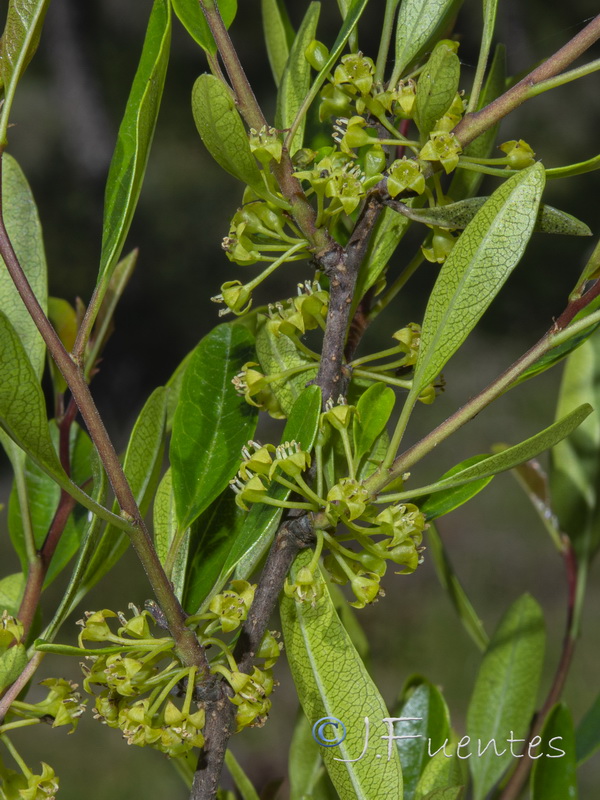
pixel 588 733
pixel 426 725
pixel 12 664
pixel 212 422
pixel 136 132
pixel 11 592
pixel 324 666
pixel 465 182
pixel 456 216
pixel 436 87
pixel 476 269
pixel 452 585
pixel 374 409
pixel 295 81
pixel 193 20
pixel 279 35
pixel 553 776
pixel 222 130
pixel 505 692
pixel 418 23
pixel 441 503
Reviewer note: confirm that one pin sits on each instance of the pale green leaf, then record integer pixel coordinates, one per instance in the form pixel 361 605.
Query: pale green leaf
pixel 476 269
pixel 242 781
pixel 128 165
pixel 588 733
pixel 12 664
pixel 373 412
pixel 554 774
pixel 452 793
pixel 305 765
pixel 222 130
pixel 444 770
pixel 11 592
pixel 324 664
pixel 295 81
pixel 436 87
pixel 279 35
pixel 192 18
pixel 172 546
pixel 505 691
pixel 418 23
pixel 456 593
pixel 212 422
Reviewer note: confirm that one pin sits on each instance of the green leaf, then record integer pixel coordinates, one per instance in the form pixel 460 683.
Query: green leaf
pixel 142 466
pixel 575 462
pixel 277 354
pixel 553 776
pixel 11 592
pixel 193 20
pixel 505 692
pixel 324 665
pixel 349 620
pixel 212 422
pixel 590 272
pixel 442 771
pixel 418 23
pixel 12 664
pixel 512 456
pixel 452 793
pixel 128 165
pixel 465 182
pixel 436 87
pixel 456 593
pixel 19 42
pixel 588 733
pixel 222 130
pixel 374 409
pixel 456 216
pixel 249 545
pixel 279 35
pixel 43 495
pixel 426 725
pixel 172 549
pixel 242 781
pixel 476 269
pixel 295 81
pixel 305 765
pixel 441 503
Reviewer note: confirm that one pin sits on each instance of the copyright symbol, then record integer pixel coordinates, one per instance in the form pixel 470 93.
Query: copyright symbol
pixel 318 731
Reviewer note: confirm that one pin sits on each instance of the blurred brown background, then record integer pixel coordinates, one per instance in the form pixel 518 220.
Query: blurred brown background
pixel 66 117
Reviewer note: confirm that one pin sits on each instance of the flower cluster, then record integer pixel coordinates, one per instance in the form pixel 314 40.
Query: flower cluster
pixel 25 785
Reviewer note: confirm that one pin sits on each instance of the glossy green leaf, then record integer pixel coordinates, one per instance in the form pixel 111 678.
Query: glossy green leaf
pixel 193 20
pixel 505 691
pixel 457 216
pixel 350 22
pixel 20 39
pixel 465 182
pixel 456 593
pixel 128 165
pixel 444 770
pixel 575 462
pixel 476 269
pixel 172 547
pixel 588 733
pixel 251 542
pixel 142 466
pixel 512 456
pixel 418 23
pixel 278 354
pixel 425 724
pixel 373 412
pixel 212 422
pixel 553 776
pixel 11 592
pixel 279 35
pixel 213 535
pixel 43 495
pixel 436 87
pixel 295 81
pixel 441 503
pixel 12 664
pixel 222 130
pixel 386 237
pixel 324 665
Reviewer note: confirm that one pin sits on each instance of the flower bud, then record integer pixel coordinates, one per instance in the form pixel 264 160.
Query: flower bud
pixel 316 54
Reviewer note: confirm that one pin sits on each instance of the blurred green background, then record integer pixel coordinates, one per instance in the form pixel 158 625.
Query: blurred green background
pixel 65 121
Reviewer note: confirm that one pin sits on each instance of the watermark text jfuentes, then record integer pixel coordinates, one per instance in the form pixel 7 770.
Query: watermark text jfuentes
pixel 331 732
